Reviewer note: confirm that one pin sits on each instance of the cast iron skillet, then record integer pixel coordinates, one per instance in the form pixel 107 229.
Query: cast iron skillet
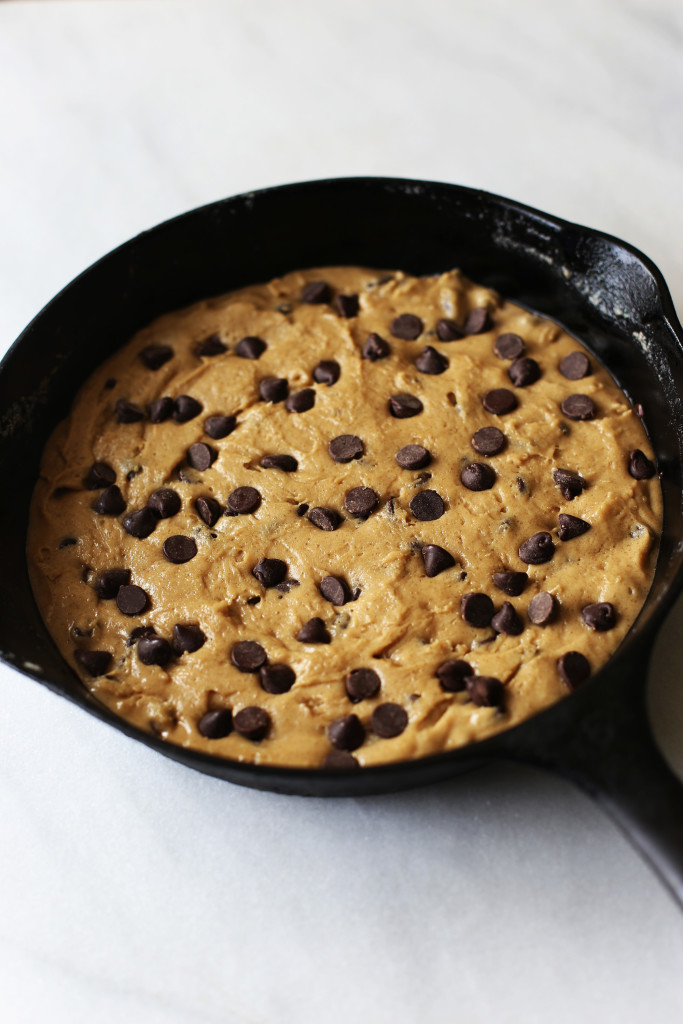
pixel 601 289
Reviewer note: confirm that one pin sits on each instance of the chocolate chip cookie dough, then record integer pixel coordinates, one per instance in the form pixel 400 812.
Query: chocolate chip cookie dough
pixel 342 518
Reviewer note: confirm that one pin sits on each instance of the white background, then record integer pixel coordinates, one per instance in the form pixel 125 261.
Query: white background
pixel 131 888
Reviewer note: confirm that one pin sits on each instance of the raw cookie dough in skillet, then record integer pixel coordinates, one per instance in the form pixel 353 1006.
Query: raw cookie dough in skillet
pixel 345 517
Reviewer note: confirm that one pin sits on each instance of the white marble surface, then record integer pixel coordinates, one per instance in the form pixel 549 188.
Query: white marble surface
pixel 131 888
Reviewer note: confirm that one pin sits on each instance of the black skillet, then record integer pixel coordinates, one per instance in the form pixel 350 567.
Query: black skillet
pixel 600 289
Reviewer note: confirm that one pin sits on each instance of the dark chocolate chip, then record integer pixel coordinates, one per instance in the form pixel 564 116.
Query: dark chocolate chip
pixel 138 632
pixel 499 401
pixel 407 326
pixel 219 426
pixel 573 668
pixel 388 720
pixel 375 348
pixel 436 559
pixel 413 456
pixel 570 526
pixel 131 600
pixel 485 691
pixel 160 409
pixel 362 684
pixel 248 656
pixel 212 346
pixel 302 509
pixel 313 632
pixel 478 476
pixel 269 571
pixel 403 406
pixel 579 407
pixel 339 760
pixel 250 347
pixel 537 549
pixel 575 366
pixel 154 356
pixel 110 502
pixel 109 582
pixel 154 650
pixel 201 455
pixel 244 500
pixel 179 549
pixel 140 523
pixel 488 441
pixel 209 510
pixel 215 724
pixel 477 609
pixel 478 321
pixel 361 501
pixel 448 330
pixel 523 372
pixel 164 502
pixel 273 389
pixel 335 590
pixel 347 305
pixel 316 293
pixel 571 484
pixel 639 466
pixel 452 675
pixel 508 346
pixel 128 412
pixel 345 448
pixel 601 617
pixel 511 583
pixel 542 609
pixel 287 463
pixel 95 663
pixel 507 620
pixel 346 733
pixel 427 505
pixel 278 678
pixel 327 372
pixel 100 475
pixel 324 518
pixel 187 639
pixel 430 361
pixel 185 408
pixel 67 542
pixel 252 723
pixel 300 401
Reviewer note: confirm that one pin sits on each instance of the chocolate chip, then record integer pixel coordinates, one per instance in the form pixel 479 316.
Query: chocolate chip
pixel 427 506
pixel 436 559
pixel 302 509
pixel 523 372
pixel 244 500
pixel 324 518
pixel 452 675
pixel 375 348
pixel 339 760
pixel 100 475
pixel 361 501
pixel 511 583
pixel 508 346
pixel 154 650
pixel 313 632
pixel 110 502
pixel 499 401
pixel 164 502
pixel 639 466
pixel 537 549
pixel 362 684
pixel 109 582
pixel 575 366
pixel 140 523
pixel 542 609
pixel 570 526
pixel 448 330
pixel 252 723
pixel 488 441
pixel 278 678
pixel 185 408
pixel 413 456
pixel 215 725
pixel 601 617
pixel 95 663
pixel 67 542
pixel 128 412
pixel 154 356
pixel 347 305
pixel 209 510
pixel 430 361
pixel 477 609
pixel 485 691
pixel 316 293
pixel 478 476
pixel 507 620
pixel 573 668
pixel 579 407
pixel 478 321
pixel 250 347
pixel 335 590
pixel 327 372
pixel 273 389
pixel 179 549
pixel 388 720
pixel 346 733
pixel 219 426
pixel 248 656
pixel 269 571
pixel 131 600
pixel 300 401
pixel 287 463
pixel 160 409
pixel 571 484
pixel 201 455
pixel 407 326
pixel 403 406
pixel 212 346
pixel 187 639
pixel 345 448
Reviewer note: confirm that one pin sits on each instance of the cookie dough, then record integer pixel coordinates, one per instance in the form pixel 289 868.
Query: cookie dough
pixel 342 518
